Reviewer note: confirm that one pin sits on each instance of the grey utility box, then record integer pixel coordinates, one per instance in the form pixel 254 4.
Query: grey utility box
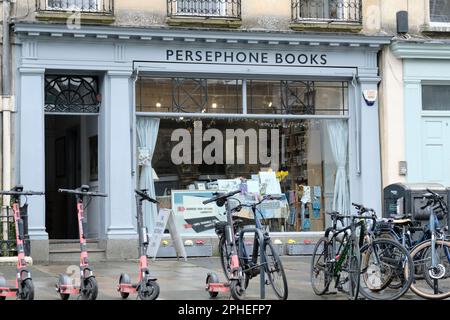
pixel 407 198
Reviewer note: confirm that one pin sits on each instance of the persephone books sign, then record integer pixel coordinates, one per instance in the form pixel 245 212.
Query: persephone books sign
pixel 248 57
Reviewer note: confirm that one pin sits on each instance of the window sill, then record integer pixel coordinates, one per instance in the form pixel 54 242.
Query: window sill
pixel 204 22
pixel 326 26
pixel 437 28
pixel 89 17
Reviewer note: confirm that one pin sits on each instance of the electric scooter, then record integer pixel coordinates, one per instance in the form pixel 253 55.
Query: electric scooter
pixel 88 288
pixel 23 289
pixel 146 288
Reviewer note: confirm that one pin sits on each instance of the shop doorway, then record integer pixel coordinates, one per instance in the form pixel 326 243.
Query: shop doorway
pixel 71 157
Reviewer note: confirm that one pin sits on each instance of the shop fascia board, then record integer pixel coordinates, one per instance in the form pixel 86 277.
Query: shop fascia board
pixel 199 35
pixel 421 50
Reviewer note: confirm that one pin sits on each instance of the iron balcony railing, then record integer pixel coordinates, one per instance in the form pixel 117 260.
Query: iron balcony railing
pixel 347 11
pixel 204 8
pixel 105 7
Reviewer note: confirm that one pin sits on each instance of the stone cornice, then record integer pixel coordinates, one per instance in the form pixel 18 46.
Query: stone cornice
pixel 421 50
pixel 199 35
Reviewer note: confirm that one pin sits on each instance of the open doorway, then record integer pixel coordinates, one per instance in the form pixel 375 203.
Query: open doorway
pixel 71 159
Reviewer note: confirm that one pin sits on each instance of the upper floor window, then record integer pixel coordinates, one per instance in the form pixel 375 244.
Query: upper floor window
pixel 348 11
pixel 204 8
pixel 440 11
pixel 95 6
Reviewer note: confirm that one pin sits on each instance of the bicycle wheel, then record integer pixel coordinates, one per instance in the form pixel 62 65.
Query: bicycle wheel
pixel 383 263
pixel 435 281
pixel 320 273
pixel 353 267
pixel 275 272
pixel 225 256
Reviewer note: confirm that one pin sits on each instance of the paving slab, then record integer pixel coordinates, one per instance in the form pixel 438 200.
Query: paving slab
pixel 178 279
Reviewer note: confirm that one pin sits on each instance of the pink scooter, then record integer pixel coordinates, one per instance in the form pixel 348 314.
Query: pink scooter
pixel 88 288
pixel 146 288
pixel 24 288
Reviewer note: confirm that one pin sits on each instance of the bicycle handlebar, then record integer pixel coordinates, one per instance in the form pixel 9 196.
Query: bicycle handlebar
pixel 221 196
pixel 83 193
pixel 143 194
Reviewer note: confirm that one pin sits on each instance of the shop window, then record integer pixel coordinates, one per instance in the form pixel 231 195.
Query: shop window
pixel 327 10
pixel 440 11
pixel 297 97
pixel 225 96
pixel 72 94
pixel 436 97
pixel 189 95
pixel 297 159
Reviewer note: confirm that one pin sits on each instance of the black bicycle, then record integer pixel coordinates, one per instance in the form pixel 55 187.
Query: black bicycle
pixel 263 252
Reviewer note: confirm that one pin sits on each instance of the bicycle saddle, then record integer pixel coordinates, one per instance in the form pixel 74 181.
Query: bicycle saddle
pixel 401 221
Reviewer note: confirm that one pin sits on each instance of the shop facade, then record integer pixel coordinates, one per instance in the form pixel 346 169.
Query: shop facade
pixel 425 109
pixel 115 108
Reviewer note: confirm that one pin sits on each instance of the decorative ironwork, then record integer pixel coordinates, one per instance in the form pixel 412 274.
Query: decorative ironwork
pixel 72 94
pixel 349 11
pixel 204 8
pixel 8 245
pixel 189 95
pixel 298 97
pixel 105 7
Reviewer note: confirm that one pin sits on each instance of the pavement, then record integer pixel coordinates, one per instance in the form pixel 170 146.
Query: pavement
pixel 178 279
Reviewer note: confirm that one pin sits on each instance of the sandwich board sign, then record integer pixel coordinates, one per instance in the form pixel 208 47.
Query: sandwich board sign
pixel 165 218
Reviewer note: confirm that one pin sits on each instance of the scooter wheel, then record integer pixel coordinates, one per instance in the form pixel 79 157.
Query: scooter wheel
pixel 90 290
pixel 212 278
pixel 27 290
pixel 64 279
pixel 148 290
pixel 236 290
pixel 124 279
pixel 2 284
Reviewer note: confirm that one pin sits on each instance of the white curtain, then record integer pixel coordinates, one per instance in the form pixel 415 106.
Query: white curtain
pixel 147 134
pixel 338 136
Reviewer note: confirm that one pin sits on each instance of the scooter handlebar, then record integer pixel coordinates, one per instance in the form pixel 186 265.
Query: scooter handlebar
pixel 22 193
pixel 83 193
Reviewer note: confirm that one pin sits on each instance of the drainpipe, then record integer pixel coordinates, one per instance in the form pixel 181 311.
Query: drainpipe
pixel 6 106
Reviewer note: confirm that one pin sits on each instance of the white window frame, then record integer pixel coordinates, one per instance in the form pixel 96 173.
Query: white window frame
pixel 222 9
pixel 435 23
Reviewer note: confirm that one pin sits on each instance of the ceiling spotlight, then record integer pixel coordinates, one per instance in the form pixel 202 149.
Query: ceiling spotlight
pixel 214 105
pixel 158 105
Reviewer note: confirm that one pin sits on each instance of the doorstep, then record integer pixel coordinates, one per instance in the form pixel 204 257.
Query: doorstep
pixel 12 261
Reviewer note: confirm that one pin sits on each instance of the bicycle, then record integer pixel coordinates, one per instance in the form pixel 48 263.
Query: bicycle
pixel 372 264
pixel 432 257
pixel 382 263
pixel 341 263
pixel 238 266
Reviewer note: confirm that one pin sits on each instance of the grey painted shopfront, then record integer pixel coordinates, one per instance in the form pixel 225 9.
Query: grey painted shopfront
pixel 121 57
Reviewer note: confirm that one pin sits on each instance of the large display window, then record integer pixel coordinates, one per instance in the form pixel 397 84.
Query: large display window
pixel 183 160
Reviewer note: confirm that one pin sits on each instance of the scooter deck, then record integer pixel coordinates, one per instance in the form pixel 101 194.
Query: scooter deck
pixel 218 287
pixel 8 291
pixel 127 287
pixel 68 289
